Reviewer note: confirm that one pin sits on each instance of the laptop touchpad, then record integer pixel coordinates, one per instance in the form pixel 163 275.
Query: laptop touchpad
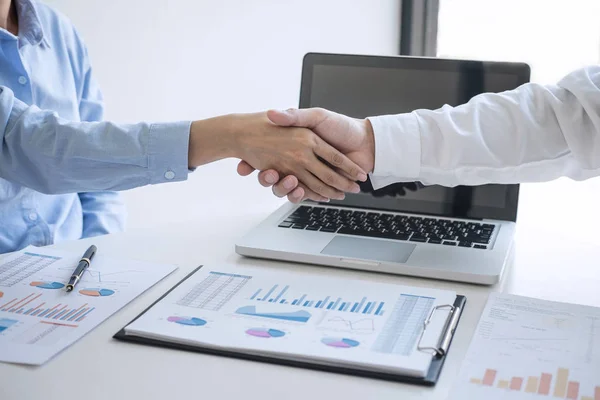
pixel 369 249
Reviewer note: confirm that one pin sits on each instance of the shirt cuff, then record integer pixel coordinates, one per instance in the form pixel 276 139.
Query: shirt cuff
pixel 397 149
pixel 168 152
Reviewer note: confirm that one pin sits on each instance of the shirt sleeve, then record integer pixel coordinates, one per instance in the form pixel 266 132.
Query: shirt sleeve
pixel 104 211
pixel 531 134
pixel 44 152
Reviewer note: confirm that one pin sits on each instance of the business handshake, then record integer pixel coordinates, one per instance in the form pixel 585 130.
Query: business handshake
pixel 302 153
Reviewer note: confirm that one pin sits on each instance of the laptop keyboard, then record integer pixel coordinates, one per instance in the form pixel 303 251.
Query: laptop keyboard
pixel 391 226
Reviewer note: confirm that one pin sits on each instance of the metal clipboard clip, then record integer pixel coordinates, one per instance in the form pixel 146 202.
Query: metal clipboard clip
pixel 447 332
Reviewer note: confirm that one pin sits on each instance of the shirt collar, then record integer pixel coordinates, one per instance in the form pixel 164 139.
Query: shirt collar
pixel 31 30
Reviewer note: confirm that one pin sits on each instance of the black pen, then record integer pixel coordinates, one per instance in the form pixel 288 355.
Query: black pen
pixel 84 263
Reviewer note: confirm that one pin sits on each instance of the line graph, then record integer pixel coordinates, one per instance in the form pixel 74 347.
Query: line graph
pixel 336 323
pixel 95 276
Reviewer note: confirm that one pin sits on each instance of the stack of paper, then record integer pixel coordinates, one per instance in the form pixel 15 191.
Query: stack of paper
pixel 528 348
pixel 293 316
pixel 38 318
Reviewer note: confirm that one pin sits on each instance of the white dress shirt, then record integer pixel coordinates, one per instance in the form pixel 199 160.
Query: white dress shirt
pixel 531 134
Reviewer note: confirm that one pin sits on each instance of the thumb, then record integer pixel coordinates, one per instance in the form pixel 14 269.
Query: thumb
pixel 244 169
pixel 282 117
pixel 305 118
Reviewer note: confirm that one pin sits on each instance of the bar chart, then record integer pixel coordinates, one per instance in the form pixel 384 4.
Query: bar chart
pixel 281 294
pixel 295 316
pixel 556 385
pixel 35 306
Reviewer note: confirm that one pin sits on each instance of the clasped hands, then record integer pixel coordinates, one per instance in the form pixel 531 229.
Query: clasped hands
pixel 349 154
pixel 304 154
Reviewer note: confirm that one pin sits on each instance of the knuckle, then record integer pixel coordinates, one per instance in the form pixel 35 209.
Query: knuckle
pixel 319 188
pixel 336 158
pixel 298 155
pixel 303 159
pixel 330 179
pixel 320 112
pixel 307 137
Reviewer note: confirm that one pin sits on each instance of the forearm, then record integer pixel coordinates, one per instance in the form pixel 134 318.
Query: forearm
pixel 51 155
pixel 48 154
pixel 534 133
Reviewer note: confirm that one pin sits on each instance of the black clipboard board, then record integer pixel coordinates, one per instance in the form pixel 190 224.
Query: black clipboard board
pixel 435 369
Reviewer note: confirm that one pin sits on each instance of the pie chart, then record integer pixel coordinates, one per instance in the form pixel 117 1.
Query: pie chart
pixel 341 343
pixel 96 292
pixel 47 285
pixel 190 321
pixel 265 332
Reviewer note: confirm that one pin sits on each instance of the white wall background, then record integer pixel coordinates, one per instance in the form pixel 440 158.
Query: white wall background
pixel 554 37
pixel 160 60
pixel 188 59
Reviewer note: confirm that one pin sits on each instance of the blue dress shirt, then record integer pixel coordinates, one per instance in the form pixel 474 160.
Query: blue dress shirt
pixel 56 164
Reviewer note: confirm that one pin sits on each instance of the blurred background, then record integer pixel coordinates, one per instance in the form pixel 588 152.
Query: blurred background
pixel 159 60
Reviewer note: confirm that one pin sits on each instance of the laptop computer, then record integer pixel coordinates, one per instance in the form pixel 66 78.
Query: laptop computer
pixel 463 233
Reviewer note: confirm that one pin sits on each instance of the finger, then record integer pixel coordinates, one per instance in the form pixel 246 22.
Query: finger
pixel 296 196
pixel 285 186
pixel 334 180
pixel 343 173
pixel 309 194
pixel 339 171
pixel 244 169
pixel 268 178
pixel 307 118
pixel 334 157
pixel 317 185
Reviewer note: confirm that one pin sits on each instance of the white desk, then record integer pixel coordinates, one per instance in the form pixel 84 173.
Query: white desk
pixel 98 367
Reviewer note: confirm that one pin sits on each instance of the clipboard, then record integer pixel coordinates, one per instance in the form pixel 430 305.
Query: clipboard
pixel 439 351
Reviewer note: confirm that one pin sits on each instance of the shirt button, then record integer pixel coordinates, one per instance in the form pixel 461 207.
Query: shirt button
pixel 169 175
pixel 33 216
pixel 22 80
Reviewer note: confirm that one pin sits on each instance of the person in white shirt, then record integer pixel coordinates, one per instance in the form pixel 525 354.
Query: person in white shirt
pixel 531 134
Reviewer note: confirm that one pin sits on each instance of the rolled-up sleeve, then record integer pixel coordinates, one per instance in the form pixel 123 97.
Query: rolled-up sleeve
pixel 40 150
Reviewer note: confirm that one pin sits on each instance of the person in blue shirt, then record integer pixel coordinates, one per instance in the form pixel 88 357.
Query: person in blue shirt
pixel 47 65
pixel 60 164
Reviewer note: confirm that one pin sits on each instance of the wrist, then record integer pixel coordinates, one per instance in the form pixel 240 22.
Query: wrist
pixel 213 139
pixel 369 145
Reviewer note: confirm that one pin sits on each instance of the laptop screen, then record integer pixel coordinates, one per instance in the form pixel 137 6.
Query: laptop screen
pixel 362 86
